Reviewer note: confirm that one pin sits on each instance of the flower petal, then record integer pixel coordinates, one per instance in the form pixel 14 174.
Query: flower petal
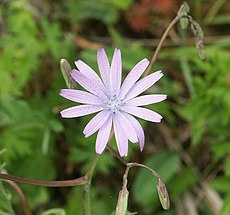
pixel 89 73
pixel 133 76
pixel 96 123
pixel 138 128
pixel 143 85
pixel 103 135
pixel 88 84
pixel 80 110
pixel 80 96
pixel 104 66
pixel 115 72
pixel 143 113
pixel 121 139
pixel 146 100
pixel 127 127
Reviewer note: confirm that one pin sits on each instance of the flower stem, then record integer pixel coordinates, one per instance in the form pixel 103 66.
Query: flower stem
pixel 159 46
pixel 86 199
pixel 146 167
pixel 86 189
pixel 66 183
pixel 22 197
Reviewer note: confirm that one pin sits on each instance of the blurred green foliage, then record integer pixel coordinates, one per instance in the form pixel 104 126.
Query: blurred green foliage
pixel 35 35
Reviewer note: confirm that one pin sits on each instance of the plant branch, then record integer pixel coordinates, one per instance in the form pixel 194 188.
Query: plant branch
pixel 159 46
pixel 86 189
pixel 65 183
pixel 22 197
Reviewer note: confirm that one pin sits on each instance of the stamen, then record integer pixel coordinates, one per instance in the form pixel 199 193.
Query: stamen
pixel 114 103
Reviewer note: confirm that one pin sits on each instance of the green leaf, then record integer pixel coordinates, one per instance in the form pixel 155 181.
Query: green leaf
pixel 90 9
pixel 221 184
pixel 182 182
pixel 226 206
pixel 122 4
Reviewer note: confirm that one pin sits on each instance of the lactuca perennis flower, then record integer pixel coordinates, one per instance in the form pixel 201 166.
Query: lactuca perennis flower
pixel 116 103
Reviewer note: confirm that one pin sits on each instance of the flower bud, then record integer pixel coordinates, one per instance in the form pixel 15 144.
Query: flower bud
pixel 66 69
pixel 122 203
pixel 184 23
pixel 163 195
pixel 184 9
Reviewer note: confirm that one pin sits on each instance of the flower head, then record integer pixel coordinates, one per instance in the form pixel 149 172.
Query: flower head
pixel 116 103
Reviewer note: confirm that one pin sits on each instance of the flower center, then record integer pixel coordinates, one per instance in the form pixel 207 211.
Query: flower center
pixel 114 103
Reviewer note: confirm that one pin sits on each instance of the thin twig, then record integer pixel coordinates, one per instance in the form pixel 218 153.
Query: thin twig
pixel 146 167
pixel 159 46
pixel 22 197
pixel 65 183
pixel 110 148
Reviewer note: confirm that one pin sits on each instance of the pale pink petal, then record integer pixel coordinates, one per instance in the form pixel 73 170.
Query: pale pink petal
pixel 138 128
pixel 127 127
pixel 146 100
pixel 95 123
pixel 143 85
pixel 121 139
pixel 89 73
pixel 133 76
pixel 115 72
pixel 103 135
pixel 143 113
pixel 80 110
pixel 88 84
pixel 104 66
pixel 80 96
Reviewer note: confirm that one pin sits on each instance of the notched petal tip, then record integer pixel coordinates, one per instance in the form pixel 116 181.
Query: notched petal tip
pixel 99 152
pixel 159 72
pixel 145 59
pixel 61 92
pixel 77 62
pixel 62 113
pixel 100 50
pixel 159 120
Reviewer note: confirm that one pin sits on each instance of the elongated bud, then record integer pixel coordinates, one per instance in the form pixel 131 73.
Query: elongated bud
pixel 163 195
pixel 122 203
pixel 184 9
pixel 200 48
pixel 184 23
pixel 66 69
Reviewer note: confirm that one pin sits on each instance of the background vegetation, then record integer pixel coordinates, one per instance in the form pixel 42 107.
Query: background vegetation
pixel 190 148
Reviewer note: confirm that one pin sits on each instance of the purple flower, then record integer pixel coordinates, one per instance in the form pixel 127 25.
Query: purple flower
pixel 116 103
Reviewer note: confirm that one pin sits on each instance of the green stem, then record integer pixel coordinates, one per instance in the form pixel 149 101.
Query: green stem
pixel 87 199
pixel 86 189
